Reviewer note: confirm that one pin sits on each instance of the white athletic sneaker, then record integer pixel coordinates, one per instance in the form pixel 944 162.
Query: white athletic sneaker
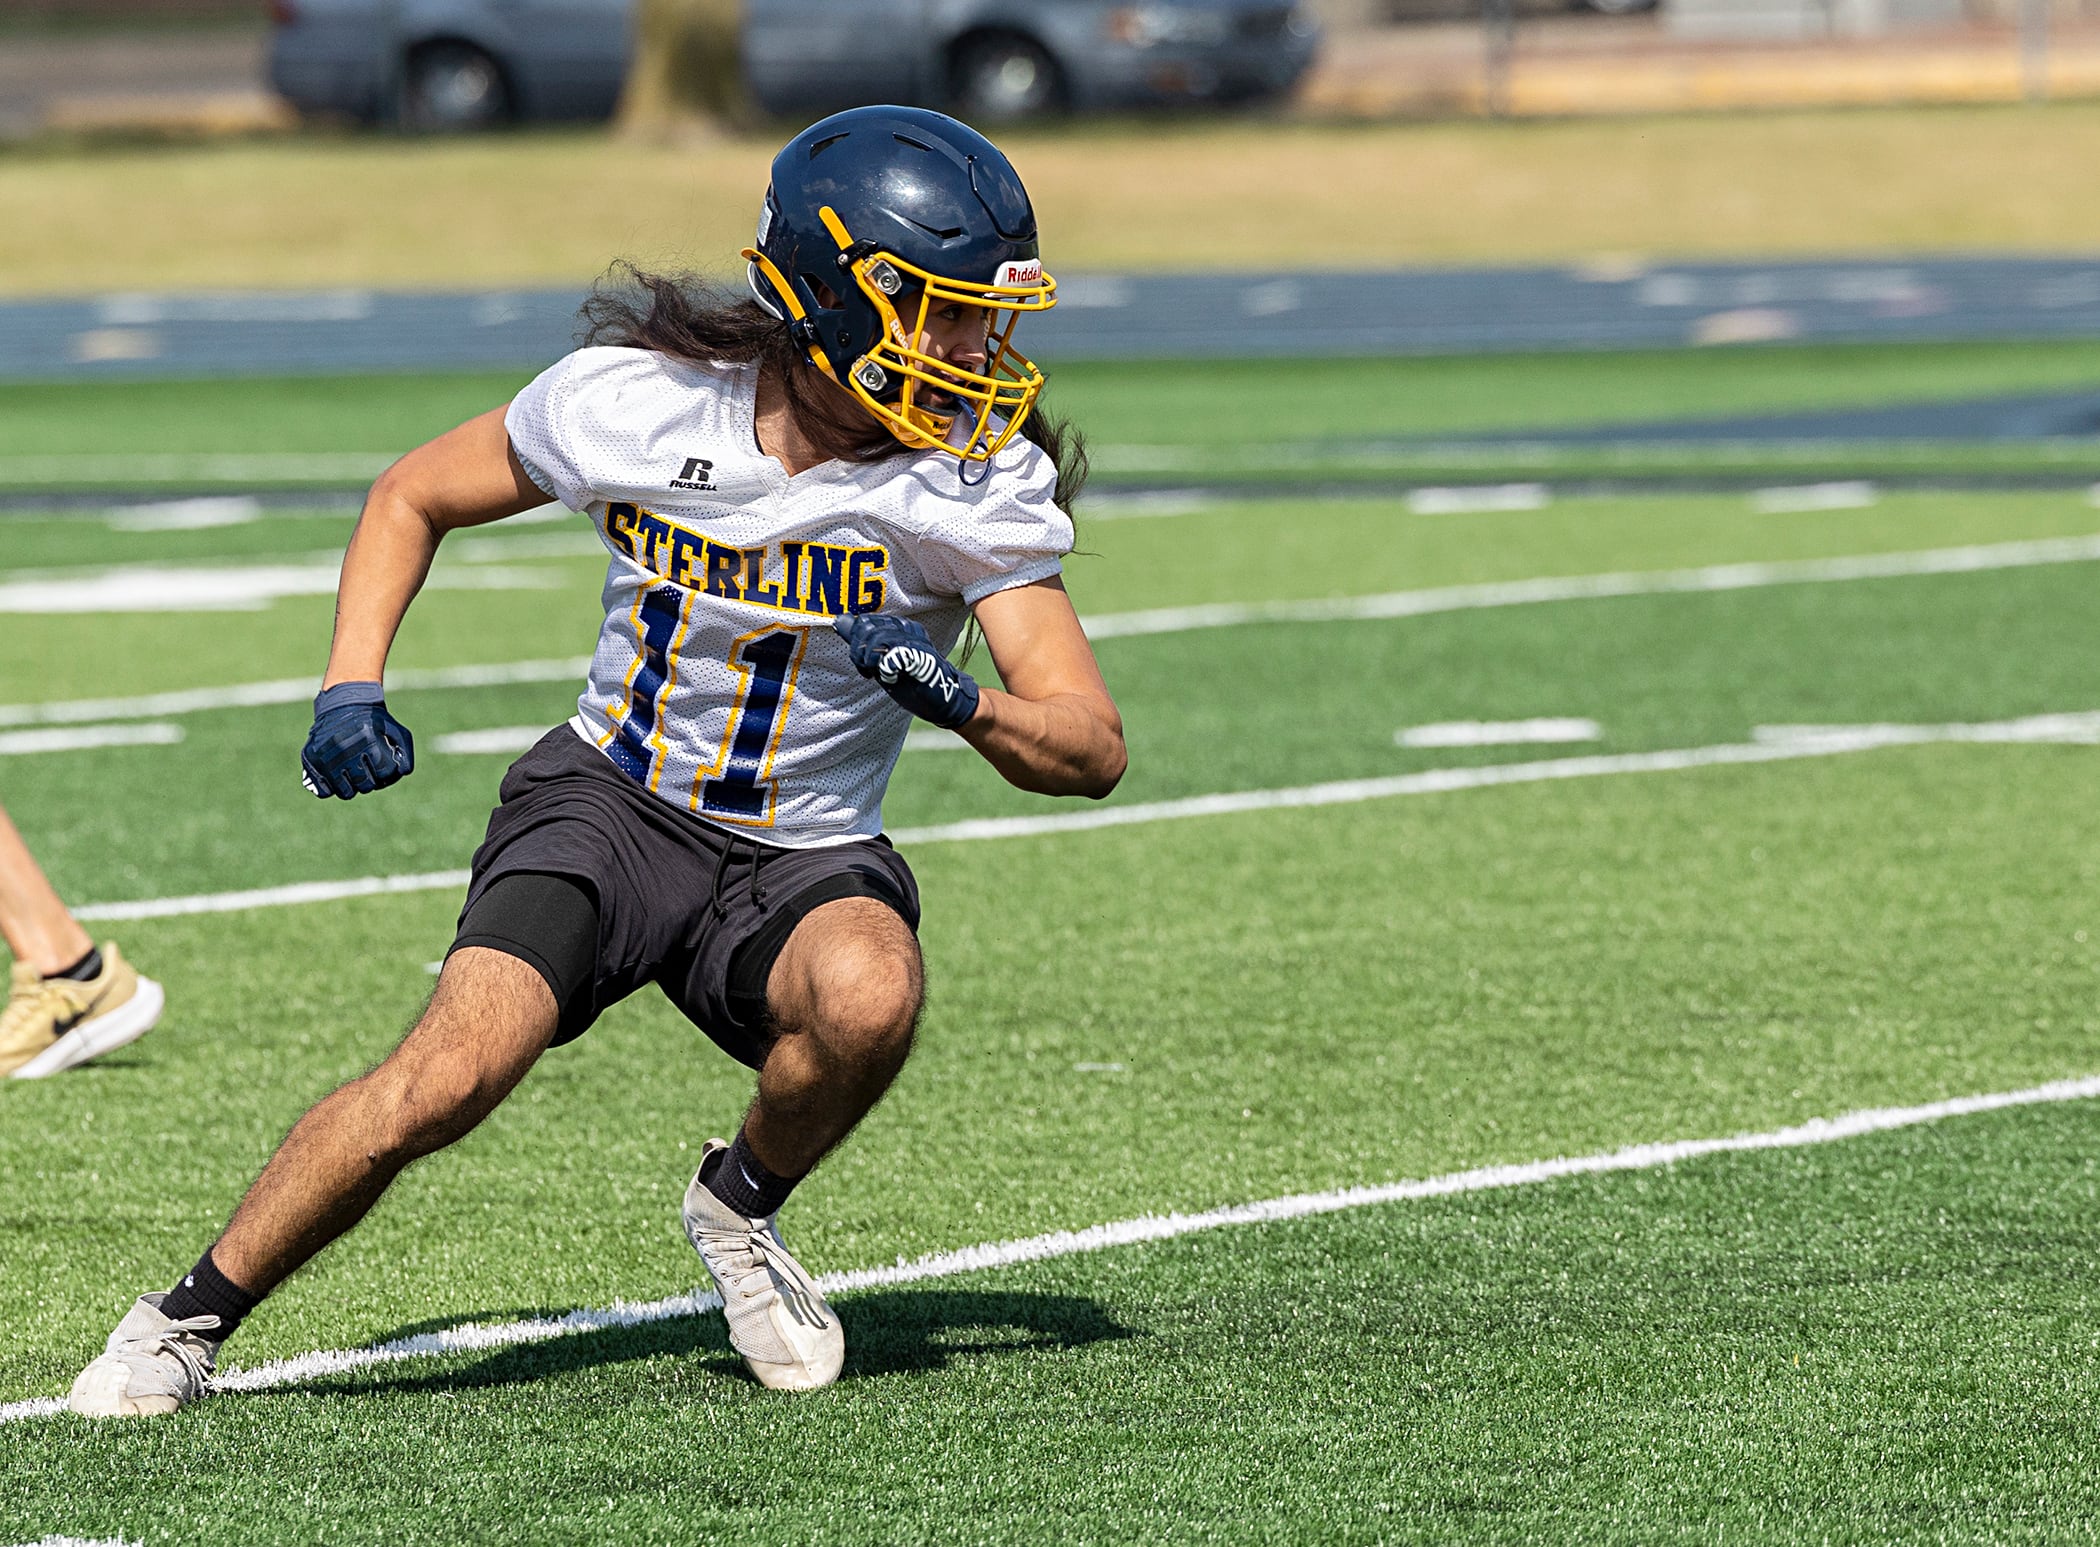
pixel 152 1365
pixel 777 1316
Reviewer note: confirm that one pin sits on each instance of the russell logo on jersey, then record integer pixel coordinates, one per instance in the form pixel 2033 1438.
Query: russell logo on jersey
pixel 698 474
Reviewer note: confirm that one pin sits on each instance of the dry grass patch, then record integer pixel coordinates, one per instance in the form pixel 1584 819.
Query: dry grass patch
pixel 552 208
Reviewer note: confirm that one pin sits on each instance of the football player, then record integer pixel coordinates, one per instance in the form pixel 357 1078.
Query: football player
pixel 69 1000
pixel 805 496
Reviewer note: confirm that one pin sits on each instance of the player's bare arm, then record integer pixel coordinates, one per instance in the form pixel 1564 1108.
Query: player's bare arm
pixel 468 476
pixel 1054 729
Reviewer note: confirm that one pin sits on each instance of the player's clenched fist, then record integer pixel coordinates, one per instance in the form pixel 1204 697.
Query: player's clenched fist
pixel 899 654
pixel 355 747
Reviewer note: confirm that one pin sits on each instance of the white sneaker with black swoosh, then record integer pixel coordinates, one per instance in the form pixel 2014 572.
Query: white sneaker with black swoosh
pixel 777 1316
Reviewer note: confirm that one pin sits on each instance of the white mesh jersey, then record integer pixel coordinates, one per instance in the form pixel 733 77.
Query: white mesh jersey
pixel 718 682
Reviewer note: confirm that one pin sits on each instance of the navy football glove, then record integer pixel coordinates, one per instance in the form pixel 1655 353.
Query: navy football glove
pixel 899 654
pixel 355 747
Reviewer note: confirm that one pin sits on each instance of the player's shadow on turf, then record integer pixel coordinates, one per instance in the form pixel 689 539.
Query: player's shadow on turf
pixel 898 1332
pixel 910 1330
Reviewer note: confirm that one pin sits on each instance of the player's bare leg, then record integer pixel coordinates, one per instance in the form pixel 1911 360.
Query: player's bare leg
pixel 487 1024
pixel 67 1001
pixel 35 924
pixel 844 996
pixel 489 1021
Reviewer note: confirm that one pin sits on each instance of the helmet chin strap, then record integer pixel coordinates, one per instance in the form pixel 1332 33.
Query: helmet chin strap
pixel 797 318
pixel 967 416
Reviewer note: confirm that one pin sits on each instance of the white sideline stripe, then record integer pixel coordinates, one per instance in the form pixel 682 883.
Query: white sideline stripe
pixel 153 733
pixel 2077 729
pixel 1439 781
pixel 1478 499
pixel 512 739
pixel 481 1337
pixel 187 515
pixel 1825 742
pixel 1517 593
pixel 275 896
pixel 80 1541
pixel 1852 494
pixel 1141 504
pixel 931 738
pixel 1497 733
pixel 1169 620
pixel 286 690
pixel 150 467
pixel 246 588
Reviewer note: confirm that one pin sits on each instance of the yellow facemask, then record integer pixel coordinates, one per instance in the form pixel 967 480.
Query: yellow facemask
pixel 997 400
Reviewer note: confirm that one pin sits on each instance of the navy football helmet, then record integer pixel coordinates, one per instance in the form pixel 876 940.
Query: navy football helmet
pixel 875 219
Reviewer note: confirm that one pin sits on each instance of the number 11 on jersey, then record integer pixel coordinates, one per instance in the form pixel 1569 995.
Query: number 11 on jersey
pixel 737 788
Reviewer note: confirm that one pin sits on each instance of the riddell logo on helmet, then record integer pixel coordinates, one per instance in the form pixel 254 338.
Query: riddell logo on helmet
pixel 1028 273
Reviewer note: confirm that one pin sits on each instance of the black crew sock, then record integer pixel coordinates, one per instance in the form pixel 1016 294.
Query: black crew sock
pixel 205 1291
pixel 86 970
pixel 741 1180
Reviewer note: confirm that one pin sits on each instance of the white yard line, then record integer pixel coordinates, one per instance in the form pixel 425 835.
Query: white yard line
pixel 1439 781
pixel 293 467
pixel 489 1336
pixel 507 740
pixel 1478 499
pixel 931 738
pixel 1824 742
pixel 1498 733
pixel 1849 495
pixel 153 733
pixel 1144 504
pixel 1518 593
pixel 1170 620
pixel 2073 729
pixel 275 896
pixel 285 690
pixel 238 588
pixel 196 515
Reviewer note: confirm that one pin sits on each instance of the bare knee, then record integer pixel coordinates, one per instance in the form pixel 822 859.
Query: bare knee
pixel 414 1111
pixel 851 976
pixel 869 1003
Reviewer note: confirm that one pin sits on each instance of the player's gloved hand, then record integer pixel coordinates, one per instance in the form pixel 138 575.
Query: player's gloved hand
pixel 355 747
pixel 899 654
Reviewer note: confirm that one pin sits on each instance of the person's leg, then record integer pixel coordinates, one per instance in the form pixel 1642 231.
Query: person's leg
pixel 844 999
pixel 34 922
pixel 489 1021
pixel 67 1002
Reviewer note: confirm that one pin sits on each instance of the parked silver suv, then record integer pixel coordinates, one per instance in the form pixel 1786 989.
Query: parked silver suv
pixel 462 64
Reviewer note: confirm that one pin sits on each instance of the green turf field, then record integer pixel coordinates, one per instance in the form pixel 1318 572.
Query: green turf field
pixel 1164 423
pixel 1888 1338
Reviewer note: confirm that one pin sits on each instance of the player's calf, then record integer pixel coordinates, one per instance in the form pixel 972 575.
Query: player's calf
pixel 844 997
pixel 488 1022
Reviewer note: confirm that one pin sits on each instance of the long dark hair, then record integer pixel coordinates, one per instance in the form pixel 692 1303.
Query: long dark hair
pixel 687 318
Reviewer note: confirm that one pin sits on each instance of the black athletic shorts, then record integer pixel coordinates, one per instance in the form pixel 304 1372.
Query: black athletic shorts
pixel 700 910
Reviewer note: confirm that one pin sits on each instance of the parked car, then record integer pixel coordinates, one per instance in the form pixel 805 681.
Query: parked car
pixel 464 64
